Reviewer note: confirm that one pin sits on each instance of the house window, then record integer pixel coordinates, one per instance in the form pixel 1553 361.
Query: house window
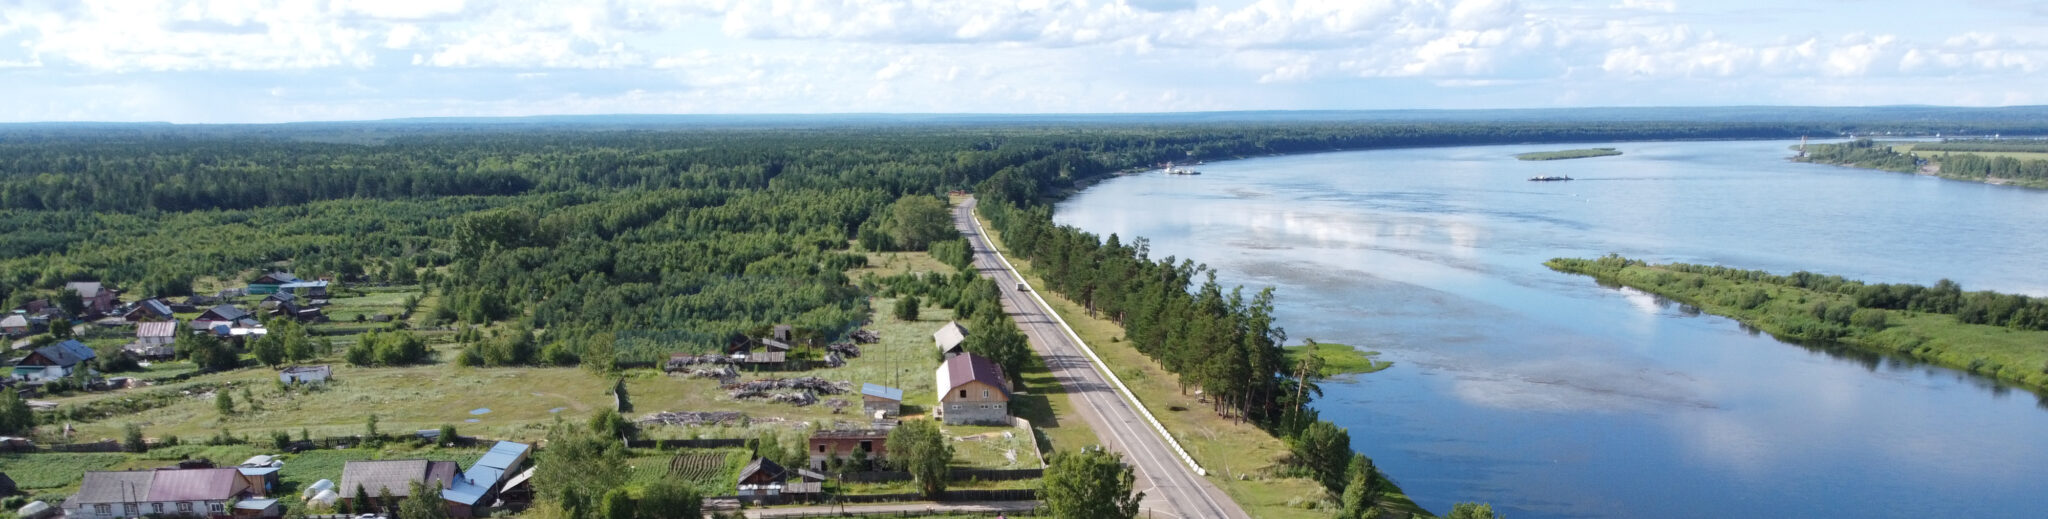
pixel 130 510
pixel 185 508
pixel 215 507
pixel 103 509
pixel 821 448
pixel 156 508
pixel 963 393
pixel 984 393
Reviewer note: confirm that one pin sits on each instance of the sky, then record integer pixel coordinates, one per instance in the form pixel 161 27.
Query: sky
pixel 261 61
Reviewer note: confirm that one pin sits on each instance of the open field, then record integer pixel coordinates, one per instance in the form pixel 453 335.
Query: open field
pixel 1230 450
pixel 1931 149
pixel 1568 154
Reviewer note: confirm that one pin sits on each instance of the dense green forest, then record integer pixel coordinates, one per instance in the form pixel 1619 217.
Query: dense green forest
pixel 649 237
pixel 1997 335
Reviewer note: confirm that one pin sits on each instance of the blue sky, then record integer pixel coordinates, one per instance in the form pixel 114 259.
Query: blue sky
pixel 204 61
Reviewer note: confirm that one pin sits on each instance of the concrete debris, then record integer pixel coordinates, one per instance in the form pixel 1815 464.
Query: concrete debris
pixel 686 418
pixel 867 336
pixel 845 349
pixel 812 384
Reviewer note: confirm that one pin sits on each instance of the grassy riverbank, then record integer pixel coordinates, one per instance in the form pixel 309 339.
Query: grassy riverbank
pixel 1242 459
pixel 1825 309
pixel 1586 153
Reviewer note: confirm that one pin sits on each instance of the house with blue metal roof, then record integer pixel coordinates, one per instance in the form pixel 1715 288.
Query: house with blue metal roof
pixel 478 487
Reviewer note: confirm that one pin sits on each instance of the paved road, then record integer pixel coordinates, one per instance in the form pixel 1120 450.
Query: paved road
pixel 1172 489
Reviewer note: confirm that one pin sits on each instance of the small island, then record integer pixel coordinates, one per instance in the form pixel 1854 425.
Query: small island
pixel 1338 359
pixel 1569 154
pixel 1987 333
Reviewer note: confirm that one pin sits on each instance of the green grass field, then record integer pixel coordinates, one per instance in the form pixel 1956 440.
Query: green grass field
pixel 1568 154
pixel 1230 450
pixel 1906 147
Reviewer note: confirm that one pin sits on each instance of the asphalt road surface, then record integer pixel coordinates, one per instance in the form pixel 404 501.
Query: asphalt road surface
pixel 1172 489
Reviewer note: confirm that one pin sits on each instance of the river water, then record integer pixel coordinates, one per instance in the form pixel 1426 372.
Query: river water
pixel 1550 396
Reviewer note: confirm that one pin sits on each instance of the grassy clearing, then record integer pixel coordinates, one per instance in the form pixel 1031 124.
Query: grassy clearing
pixel 1341 359
pixel 1568 154
pixel 1999 352
pixel 1906 147
pixel 373 301
pixel 990 447
pixel 1242 459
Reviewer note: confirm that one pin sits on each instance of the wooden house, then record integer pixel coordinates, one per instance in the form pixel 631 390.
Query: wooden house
pixel 154 340
pixel 55 361
pixel 147 310
pixel 99 300
pixel 972 390
pixel 761 481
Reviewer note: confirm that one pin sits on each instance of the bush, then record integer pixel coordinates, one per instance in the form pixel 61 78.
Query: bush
pixel 1870 318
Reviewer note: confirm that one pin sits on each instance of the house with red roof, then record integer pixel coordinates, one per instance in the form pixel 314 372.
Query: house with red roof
pixel 972 390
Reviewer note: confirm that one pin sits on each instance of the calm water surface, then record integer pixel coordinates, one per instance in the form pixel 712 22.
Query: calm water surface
pixel 1550 396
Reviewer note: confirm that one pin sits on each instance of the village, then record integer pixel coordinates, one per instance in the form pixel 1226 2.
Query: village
pixel 790 416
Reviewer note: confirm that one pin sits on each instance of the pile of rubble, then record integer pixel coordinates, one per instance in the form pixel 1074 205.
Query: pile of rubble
pixel 844 349
pixel 867 336
pixel 838 405
pixel 812 384
pixel 832 360
pixel 684 418
pixel 679 361
pixel 725 374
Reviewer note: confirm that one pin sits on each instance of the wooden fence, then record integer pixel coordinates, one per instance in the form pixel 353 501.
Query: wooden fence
pixel 705 443
pixel 958 475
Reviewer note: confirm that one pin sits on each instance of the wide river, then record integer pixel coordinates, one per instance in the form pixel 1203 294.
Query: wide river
pixel 1550 396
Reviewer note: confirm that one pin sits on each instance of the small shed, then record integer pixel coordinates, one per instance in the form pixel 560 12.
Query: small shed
pixel 297 374
pixel 262 480
pixel 784 333
pixel 881 401
pixel 6 485
pixel 257 508
pixel 950 337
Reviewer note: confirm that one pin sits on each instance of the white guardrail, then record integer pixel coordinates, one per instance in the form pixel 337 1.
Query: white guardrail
pixel 1099 365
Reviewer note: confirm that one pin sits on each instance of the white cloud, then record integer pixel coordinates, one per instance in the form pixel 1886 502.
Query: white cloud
pixel 1023 55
